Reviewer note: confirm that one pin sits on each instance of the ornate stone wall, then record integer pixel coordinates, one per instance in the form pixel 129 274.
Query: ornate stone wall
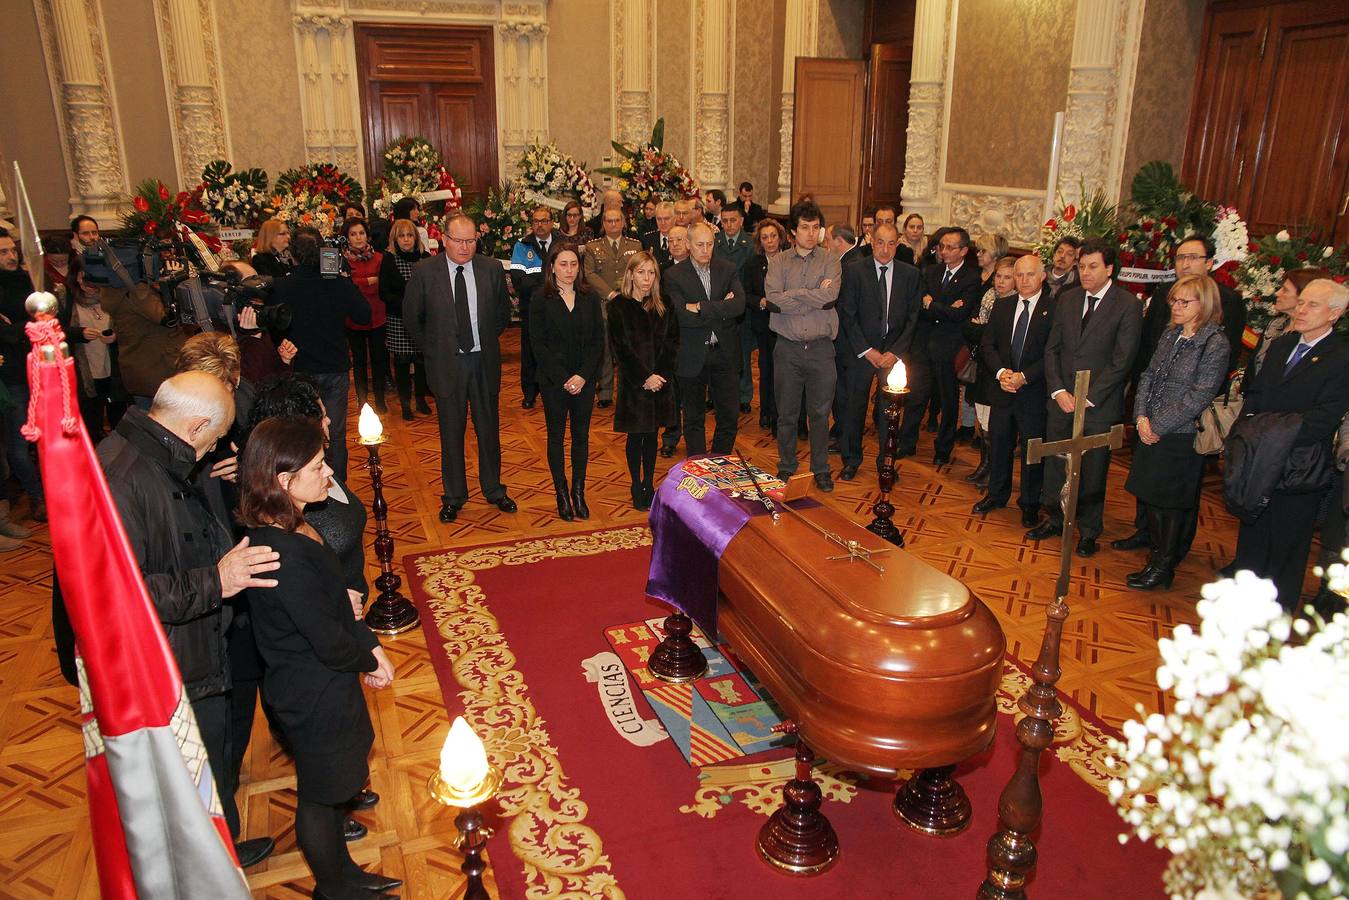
pixel 1168 55
pixel 191 58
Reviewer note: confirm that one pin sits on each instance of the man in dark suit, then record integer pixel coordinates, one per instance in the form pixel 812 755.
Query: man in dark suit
pixel 526 275
pixel 657 240
pixel 1096 327
pixel 950 297
pixel 1306 373
pixel 707 297
pixel 1013 349
pixel 455 309
pixel 1194 256
pixel 753 212
pixel 878 305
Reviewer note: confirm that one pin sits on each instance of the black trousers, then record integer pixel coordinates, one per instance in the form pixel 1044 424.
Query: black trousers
pixel 407 370
pixel 1009 428
pixel 1277 544
pixel 1095 469
pixel 94 409
pixel 529 382
pixel 860 384
pixel 669 436
pixel 932 379
pixel 719 377
pixel 213 721
pixel 559 407
pixel 840 395
pixel 333 387
pixel 368 349
pixel 470 395
pixel 767 405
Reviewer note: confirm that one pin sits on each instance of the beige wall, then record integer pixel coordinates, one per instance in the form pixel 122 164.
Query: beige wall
pixel 136 71
pixel 260 76
pixel 674 75
pixel 839 29
pixel 1010 77
pixel 755 133
pixel 580 92
pixel 28 129
pixel 1168 56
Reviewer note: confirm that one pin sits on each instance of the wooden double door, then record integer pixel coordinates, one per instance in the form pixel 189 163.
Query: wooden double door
pixel 1269 121
pixel 434 82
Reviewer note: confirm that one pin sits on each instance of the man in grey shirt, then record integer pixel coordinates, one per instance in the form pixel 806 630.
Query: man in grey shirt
pixel 801 288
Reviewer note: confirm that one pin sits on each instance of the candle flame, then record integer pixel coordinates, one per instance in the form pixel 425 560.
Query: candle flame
pixel 898 379
pixel 369 426
pixel 463 761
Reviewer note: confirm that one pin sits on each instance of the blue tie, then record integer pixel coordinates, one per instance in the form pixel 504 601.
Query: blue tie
pixel 1298 352
pixel 1019 333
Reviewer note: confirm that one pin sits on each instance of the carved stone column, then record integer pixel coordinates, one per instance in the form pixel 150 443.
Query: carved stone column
pixel 927 110
pixel 800 39
pixel 524 95
pixel 634 68
pixel 1100 92
pixel 713 48
pixel 72 37
pixel 191 72
pixel 329 103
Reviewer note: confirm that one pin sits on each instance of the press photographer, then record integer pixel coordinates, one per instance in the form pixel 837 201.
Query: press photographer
pixel 320 306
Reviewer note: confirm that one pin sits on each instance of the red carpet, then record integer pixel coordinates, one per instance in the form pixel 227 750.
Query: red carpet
pixel 586 812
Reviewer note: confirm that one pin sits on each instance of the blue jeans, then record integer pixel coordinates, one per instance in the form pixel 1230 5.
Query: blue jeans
pixel 334 387
pixel 21 461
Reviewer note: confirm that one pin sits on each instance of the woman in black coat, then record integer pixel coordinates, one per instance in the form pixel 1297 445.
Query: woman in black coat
pixel 645 340
pixel 271 250
pixel 1186 371
pixel 566 330
pixel 314 648
pixel 770 238
pixel 405 251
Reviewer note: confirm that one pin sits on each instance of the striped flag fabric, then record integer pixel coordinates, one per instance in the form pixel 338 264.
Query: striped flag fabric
pixel 158 828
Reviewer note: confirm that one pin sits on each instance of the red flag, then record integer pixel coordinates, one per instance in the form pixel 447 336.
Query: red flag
pixel 158 830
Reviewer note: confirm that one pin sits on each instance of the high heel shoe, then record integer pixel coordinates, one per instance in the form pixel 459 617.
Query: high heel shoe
pixel 564 509
pixel 578 500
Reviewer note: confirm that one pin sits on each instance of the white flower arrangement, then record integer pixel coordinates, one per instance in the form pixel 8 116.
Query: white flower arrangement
pixel 1230 237
pixel 304 208
pixel 1246 780
pixel 551 173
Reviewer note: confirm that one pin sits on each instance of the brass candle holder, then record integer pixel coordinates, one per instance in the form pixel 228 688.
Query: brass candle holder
pixel 464 781
pixel 894 390
pixel 391 613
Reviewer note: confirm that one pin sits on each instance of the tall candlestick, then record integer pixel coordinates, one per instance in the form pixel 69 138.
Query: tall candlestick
pixel 391 613
pixel 894 390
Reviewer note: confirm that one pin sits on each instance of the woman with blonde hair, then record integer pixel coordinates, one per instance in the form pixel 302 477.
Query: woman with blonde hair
pixel 405 251
pixel 988 249
pixel 645 340
pixel 271 249
pixel 1185 372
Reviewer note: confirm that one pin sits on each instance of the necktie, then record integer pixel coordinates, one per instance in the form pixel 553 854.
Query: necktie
pixel 614 244
pixel 885 300
pixel 1019 333
pixel 946 280
pixel 663 245
pixel 1091 308
pixel 463 322
pixel 543 249
pixel 1298 352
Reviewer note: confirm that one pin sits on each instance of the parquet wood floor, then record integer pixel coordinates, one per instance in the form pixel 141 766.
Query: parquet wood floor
pixel 1109 650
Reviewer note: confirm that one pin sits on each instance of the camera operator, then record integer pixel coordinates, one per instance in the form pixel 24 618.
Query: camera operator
pixel 320 307
pixel 148 334
pixel 262 357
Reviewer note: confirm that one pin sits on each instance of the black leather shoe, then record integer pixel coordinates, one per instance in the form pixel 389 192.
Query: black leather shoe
pixel 407 413
pixel 941 459
pixel 1087 546
pixel 1029 518
pixel 824 482
pixel 667 452
pixel 527 403
pixel 901 452
pixel 254 851
pixel 353 829
pixel 1136 541
pixel 605 404
pixel 366 799
pixel 578 501
pixel 848 473
pixel 380 406
pixel 744 407
pixel 1045 530
pixel 835 446
pixel 504 503
pixel 448 513
pixel 422 406
pixel 986 506
pixel 374 881
pixel 765 422
pixel 1228 571
pixel 639 498
pixel 1151 578
pixel 564 510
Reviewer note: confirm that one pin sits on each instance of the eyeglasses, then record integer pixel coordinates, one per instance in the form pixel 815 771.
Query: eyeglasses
pixel 1181 301
pixel 540 221
pixel 465 241
pixel 1190 257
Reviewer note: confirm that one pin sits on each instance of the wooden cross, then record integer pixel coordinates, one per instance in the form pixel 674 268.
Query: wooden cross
pixel 1071 449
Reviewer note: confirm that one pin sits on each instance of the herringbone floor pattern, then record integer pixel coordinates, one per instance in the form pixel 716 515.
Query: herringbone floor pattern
pixel 1109 650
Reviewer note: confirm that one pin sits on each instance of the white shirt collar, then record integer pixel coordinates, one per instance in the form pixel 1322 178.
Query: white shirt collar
pixel 952 272
pixel 1102 293
pixel 1031 300
pixel 1310 344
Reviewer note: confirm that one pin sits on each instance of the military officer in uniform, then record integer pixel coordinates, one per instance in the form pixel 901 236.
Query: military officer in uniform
pixel 605 259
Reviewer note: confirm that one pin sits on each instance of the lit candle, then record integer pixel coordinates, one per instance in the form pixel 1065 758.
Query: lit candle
pixel 898 379
pixel 463 761
pixel 369 426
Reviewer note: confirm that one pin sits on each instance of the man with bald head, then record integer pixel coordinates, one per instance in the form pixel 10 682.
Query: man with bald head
pixel 183 552
pixel 1013 349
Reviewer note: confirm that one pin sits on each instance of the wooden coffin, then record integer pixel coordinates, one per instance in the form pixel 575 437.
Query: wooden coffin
pixel 881 672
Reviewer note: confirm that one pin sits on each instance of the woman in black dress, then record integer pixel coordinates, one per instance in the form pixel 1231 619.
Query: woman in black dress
pixel 770 238
pixel 271 249
pixel 645 338
pixel 314 647
pixel 405 251
pixel 566 330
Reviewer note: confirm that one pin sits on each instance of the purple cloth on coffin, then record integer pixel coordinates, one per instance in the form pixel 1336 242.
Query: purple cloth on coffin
pixel 691 525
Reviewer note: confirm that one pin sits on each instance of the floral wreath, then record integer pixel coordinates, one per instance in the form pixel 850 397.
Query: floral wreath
pixel 232 198
pixel 553 175
pixel 503 219
pixel 325 179
pixel 157 212
pixel 648 172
